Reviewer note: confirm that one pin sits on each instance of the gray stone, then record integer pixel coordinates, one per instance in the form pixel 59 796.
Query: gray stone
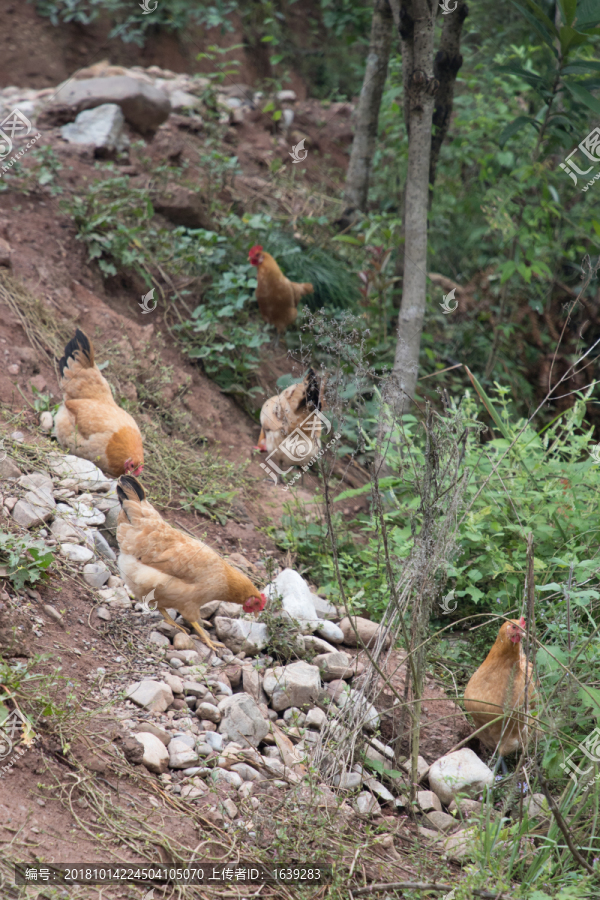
pixel 227 777
pixel 347 781
pixel 64 531
pixel 293 717
pixel 229 610
pixel 242 721
pixel 242 635
pixel 83 514
pixel 103 614
pixel 465 807
pixel 37 506
pixel 208 711
pixel 461 772
pixel 330 632
pixel 8 469
pixel 334 665
pixel 252 684
pixel 102 127
pixel 102 545
pixel 368 632
pixel 324 610
pixel 366 804
pixel 181 755
pixel 315 718
pixel 422 767
pixel 144 107
pixel 86 475
pixel 427 801
pixel 441 821
pixel 75 553
pixel 151 728
pixel 154 696
pixel 364 712
pixel 156 757
pixel 96 574
pixel 37 480
pixel 246 772
pixel 463 845
pixel 174 681
pixel 214 740
pixel 315 644
pixel 155 637
pixel 536 805
pixel 230 808
pixel 209 609
pixel 297 684
pixel 194 688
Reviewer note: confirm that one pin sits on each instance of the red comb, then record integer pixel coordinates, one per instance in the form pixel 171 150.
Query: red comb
pixel 254 250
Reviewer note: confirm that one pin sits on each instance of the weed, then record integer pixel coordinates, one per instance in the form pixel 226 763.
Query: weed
pixel 26 560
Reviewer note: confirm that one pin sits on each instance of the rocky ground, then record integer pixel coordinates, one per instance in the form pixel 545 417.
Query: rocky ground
pixel 148 746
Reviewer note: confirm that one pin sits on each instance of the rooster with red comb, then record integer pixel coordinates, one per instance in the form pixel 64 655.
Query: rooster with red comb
pixel 277 296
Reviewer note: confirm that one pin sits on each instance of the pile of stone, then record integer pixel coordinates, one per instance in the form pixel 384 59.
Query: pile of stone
pixel 93 106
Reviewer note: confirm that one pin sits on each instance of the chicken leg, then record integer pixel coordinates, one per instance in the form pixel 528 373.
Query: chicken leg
pixel 168 619
pixel 205 638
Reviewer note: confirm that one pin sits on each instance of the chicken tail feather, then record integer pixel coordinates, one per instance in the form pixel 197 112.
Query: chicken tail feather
pixel 129 488
pixel 79 348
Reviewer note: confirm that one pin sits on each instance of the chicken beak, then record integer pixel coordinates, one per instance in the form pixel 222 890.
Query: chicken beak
pixel 262 442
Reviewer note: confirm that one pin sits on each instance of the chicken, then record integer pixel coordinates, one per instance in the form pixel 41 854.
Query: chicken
pixel 182 572
pixel 277 296
pixel 89 423
pixel 291 424
pixel 498 688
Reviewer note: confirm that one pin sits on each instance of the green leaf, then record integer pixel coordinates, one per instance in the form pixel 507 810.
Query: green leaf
pixel 590 697
pixel 569 8
pixel 569 37
pixel 546 31
pixel 515 126
pixel 584 96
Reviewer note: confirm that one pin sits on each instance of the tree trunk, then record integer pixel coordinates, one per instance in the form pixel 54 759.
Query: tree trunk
pixel 448 61
pixel 417 18
pixel 367 113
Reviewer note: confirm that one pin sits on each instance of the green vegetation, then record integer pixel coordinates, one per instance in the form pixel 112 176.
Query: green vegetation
pixel 26 559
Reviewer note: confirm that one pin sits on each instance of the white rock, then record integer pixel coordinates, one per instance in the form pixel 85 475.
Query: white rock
pixel 297 684
pixel 317 645
pixel 461 772
pixel 102 127
pixel 154 696
pixel 214 740
pixel 422 766
pixel 366 804
pixel 242 635
pixel 161 640
pixel 37 480
pixel 208 711
pixel 229 610
pixel 296 599
pixel 96 574
pixel 315 718
pixel 330 632
pixel 65 531
pixel 246 772
pixel 84 473
pixel 86 515
pixel 242 720
pixel 365 713
pixel 37 506
pixel 174 681
pixel 325 609
pixel 191 791
pixel 334 665
pixel 155 758
pixel 348 781
pixel 194 688
pixel 76 553
pixel 46 422
pixel 180 755
pixel 226 776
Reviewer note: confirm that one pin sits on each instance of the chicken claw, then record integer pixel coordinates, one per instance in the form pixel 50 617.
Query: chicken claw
pixel 205 638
